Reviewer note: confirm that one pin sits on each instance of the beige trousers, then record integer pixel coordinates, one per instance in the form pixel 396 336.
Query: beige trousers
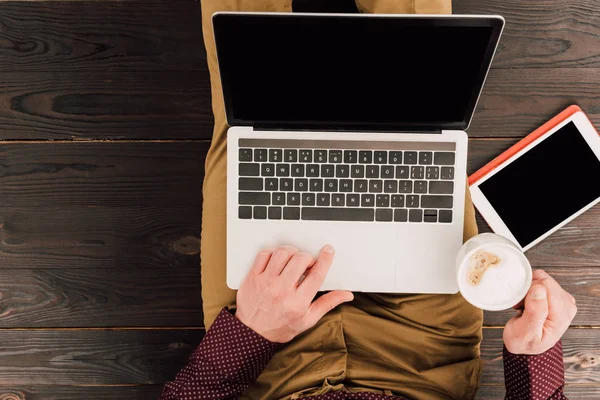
pixel 418 346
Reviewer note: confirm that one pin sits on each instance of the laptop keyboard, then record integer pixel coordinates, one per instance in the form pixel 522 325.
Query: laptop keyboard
pixel 277 182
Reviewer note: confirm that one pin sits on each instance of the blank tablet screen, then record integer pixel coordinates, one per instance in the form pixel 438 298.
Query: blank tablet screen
pixel 546 185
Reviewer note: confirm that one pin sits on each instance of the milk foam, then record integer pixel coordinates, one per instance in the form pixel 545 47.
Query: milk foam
pixel 500 283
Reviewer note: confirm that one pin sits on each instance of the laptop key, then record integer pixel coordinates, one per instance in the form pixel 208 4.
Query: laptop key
pixel 350 156
pixel 259 212
pixel 305 156
pixel 425 158
pixel 361 185
pixel 345 185
pixel 443 158
pixel 338 200
pixel 245 155
pixel 382 200
pixel 415 215
pixel 278 199
pixel 402 172
pixel 430 216
pixel 357 171
pixel 445 216
pixel 260 155
pixel 390 186
pixel 275 155
pixel 337 214
pixel 412 201
pixel 401 215
pixel 282 170
pixel 245 212
pixel 300 184
pixel 410 157
pixel 316 185
pixel 312 170
pixel 395 157
pixel 441 187
pixel 420 187
pixel 254 198
pixel 293 199
pixel 335 156
pixel 291 212
pixel 417 172
pixel 387 171
pixel 372 171
pixel 286 184
pixel 447 172
pixel 271 184
pixel 246 169
pixel 352 200
pixel 331 185
pixel 250 184
pixel 267 169
pixel 405 186
pixel 320 156
pixel 290 156
pixel 375 186
pixel 436 201
pixel 342 171
pixel 323 199
pixel 397 200
pixel 274 212
pixel 367 200
pixel 365 157
pixel 297 170
pixel 308 199
pixel 380 157
pixel 384 214
pixel 327 171
pixel 432 172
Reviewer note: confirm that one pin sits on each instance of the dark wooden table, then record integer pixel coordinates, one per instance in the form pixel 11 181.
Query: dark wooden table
pixel 105 121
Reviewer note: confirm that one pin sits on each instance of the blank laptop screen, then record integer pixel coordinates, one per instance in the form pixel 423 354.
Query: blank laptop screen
pixel 353 71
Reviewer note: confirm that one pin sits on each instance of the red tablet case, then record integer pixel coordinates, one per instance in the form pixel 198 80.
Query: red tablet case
pixel 569 111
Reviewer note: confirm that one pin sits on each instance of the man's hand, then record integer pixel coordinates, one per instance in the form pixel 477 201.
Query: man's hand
pixel 276 303
pixel 548 313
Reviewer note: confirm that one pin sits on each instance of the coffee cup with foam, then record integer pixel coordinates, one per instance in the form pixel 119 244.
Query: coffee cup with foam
pixel 492 272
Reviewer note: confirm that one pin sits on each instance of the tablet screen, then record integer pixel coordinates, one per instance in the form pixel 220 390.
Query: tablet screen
pixel 546 185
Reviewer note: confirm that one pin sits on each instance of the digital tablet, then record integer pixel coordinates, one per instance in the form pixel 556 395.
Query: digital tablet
pixel 542 182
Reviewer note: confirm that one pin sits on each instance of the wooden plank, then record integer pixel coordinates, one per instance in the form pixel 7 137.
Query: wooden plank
pixel 94 357
pixel 573 392
pixel 101 297
pixel 582 282
pixel 549 33
pixel 105 104
pixel 516 101
pixel 50 392
pixel 581 353
pixel 132 35
pixel 101 174
pixel 574 245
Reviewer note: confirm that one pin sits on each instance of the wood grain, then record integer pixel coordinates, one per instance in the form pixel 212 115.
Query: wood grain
pixel 543 34
pixel 50 392
pixel 106 357
pixel 107 174
pixel 107 297
pixel 516 101
pixel 132 35
pixel 573 392
pixel 101 104
pixel 581 353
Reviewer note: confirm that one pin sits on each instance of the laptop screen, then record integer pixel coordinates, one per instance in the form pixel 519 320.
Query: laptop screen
pixel 351 71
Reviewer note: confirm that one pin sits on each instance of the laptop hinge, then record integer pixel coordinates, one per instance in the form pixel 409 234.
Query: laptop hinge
pixel 357 129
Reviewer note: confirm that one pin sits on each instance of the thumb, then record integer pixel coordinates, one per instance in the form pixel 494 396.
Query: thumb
pixel 326 303
pixel 536 310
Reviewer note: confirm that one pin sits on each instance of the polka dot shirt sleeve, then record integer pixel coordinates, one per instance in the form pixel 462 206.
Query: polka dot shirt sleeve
pixel 539 377
pixel 230 357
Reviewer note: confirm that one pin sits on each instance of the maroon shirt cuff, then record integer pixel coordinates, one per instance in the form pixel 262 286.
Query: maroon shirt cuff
pixel 540 376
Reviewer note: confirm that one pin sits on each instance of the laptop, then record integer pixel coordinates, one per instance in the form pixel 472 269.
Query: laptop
pixel 348 129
